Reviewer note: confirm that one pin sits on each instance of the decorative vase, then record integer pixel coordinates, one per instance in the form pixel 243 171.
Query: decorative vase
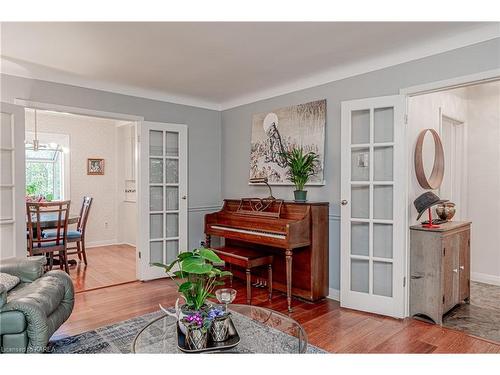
pixel 196 338
pixel 300 195
pixel 219 330
pixel 446 211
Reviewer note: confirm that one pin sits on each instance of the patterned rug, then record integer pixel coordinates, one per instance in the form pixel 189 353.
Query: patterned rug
pixel 118 338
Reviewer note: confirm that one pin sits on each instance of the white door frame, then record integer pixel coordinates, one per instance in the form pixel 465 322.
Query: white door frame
pixel 448 84
pixel 85 112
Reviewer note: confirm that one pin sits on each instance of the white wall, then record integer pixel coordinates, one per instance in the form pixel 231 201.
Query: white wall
pixel 424 112
pixel 88 137
pixel 484 181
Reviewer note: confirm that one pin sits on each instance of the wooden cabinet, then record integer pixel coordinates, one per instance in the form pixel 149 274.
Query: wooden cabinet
pixel 439 269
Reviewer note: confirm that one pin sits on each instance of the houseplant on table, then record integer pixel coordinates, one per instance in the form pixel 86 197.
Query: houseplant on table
pixel 196 276
pixel 301 166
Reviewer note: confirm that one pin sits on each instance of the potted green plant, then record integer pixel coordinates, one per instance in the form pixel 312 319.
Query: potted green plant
pixel 301 166
pixel 196 277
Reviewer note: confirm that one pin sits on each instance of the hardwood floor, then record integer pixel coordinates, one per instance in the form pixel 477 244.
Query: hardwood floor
pixel 328 326
pixel 107 265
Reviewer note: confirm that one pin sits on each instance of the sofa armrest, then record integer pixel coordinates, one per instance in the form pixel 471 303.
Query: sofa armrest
pixel 27 269
pixel 3 296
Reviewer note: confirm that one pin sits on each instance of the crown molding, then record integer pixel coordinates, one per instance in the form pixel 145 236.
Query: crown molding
pixel 441 45
pixel 436 47
pixel 34 71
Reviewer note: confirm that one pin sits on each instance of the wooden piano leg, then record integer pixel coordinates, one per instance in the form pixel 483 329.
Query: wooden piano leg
pixel 249 287
pixel 270 281
pixel 288 257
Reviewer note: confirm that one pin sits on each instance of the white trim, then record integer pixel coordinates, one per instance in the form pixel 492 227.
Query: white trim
pixel 213 207
pixel 91 244
pixel 447 84
pixel 333 294
pixel 444 44
pixel 485 278
pixel 76 110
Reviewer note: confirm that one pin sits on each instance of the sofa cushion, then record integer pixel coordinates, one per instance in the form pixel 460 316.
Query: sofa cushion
pixel 46 292
pixel 8 281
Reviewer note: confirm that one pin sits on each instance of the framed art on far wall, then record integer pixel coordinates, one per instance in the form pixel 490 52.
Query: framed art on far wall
pixel 95 166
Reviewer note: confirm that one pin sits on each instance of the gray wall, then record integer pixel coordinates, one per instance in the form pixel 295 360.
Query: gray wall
pixel 236 124
pixel 204 132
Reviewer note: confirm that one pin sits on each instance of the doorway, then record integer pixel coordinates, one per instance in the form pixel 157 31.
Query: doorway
pixel 468 121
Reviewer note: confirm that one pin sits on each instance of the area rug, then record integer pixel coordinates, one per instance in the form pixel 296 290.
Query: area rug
pixel 482 316
pixel 118 338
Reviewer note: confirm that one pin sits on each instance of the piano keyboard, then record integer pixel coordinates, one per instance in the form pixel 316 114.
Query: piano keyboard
pixel 247 231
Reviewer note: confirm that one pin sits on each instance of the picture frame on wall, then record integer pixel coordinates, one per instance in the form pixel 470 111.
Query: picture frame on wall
pixel 95 166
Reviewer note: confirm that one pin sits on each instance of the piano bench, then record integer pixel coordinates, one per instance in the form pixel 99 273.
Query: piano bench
pixel 247 259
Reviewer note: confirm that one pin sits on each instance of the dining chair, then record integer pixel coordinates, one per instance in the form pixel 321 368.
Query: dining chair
pixel 38 243
pixel 77 236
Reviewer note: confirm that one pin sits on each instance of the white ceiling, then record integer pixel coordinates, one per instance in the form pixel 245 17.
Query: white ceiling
pixel 220 65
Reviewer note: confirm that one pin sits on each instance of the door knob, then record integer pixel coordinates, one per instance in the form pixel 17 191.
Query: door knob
pixel 455 270
pixel 462 267
pixel 184 197
pixel 343 202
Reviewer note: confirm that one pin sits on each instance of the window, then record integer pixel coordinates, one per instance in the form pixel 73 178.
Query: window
pixel 44 171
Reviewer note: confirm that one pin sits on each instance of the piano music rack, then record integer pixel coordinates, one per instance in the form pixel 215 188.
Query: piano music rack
pixel 262 207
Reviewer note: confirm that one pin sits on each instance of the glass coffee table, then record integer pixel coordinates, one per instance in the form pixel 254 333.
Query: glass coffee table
pixel 261 331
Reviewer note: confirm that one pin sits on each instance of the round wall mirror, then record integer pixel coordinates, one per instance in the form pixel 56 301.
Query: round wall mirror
pixel 429 159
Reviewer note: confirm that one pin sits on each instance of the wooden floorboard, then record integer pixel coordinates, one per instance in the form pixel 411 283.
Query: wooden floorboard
pixel 107 265
pixel 328 326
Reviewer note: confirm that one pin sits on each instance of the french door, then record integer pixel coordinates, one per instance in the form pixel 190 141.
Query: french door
pixel 12 184
pixel 162 198
pixel 373 205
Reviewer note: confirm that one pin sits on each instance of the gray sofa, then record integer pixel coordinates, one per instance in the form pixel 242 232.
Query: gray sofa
pixel 33 310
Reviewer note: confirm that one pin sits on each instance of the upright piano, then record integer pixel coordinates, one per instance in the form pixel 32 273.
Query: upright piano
pixel 295 233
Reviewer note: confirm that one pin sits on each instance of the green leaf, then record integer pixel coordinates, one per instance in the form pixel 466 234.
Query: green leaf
pixel 210 255
pixel 185 255
pixel 185 287
pixel 196 265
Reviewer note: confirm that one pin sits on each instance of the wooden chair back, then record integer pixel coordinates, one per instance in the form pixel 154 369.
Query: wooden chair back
pixel 84 214
pixel 59 212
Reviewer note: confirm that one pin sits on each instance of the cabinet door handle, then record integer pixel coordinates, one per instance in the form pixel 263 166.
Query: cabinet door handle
pixel 462 268
pixel 455 270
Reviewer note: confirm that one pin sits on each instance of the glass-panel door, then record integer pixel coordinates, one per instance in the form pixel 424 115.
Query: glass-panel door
pixel 372 205
pixel 163 207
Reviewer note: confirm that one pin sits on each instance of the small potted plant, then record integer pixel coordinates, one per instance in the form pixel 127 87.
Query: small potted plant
pixel 197 277
pixel 197 325
pixel 219 323
pixel 301 166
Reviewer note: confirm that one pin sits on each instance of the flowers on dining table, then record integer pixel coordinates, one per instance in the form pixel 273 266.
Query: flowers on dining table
pixel 203 319
pixel 216 312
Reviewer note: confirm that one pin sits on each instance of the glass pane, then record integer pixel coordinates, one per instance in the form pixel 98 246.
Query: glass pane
pixel 6 168
pixel 382 202
pixel 155 143
pixel 360 164
pixel 172 143
pixel 172 227
pixel 360 201
pixel 6 208
pixel 172 171
pixel 155 170
pixel 359 238
pixel 360 126
pixel 156 252
pixel 382 240
pixel 156 198
pixel 359 275
pixel 383 124
pixel 382 279
pixel 172 198
pixel 172 250
pixel 383 163
pixel 156 226
pixel 5 131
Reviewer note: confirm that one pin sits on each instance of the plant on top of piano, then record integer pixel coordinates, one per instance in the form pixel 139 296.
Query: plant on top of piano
pixel 200 276
pixel 301 166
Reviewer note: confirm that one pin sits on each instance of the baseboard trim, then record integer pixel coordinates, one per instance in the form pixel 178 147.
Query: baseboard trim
pixel 102 243
pixel 334 294
pixel 214 207
pixel 485 278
